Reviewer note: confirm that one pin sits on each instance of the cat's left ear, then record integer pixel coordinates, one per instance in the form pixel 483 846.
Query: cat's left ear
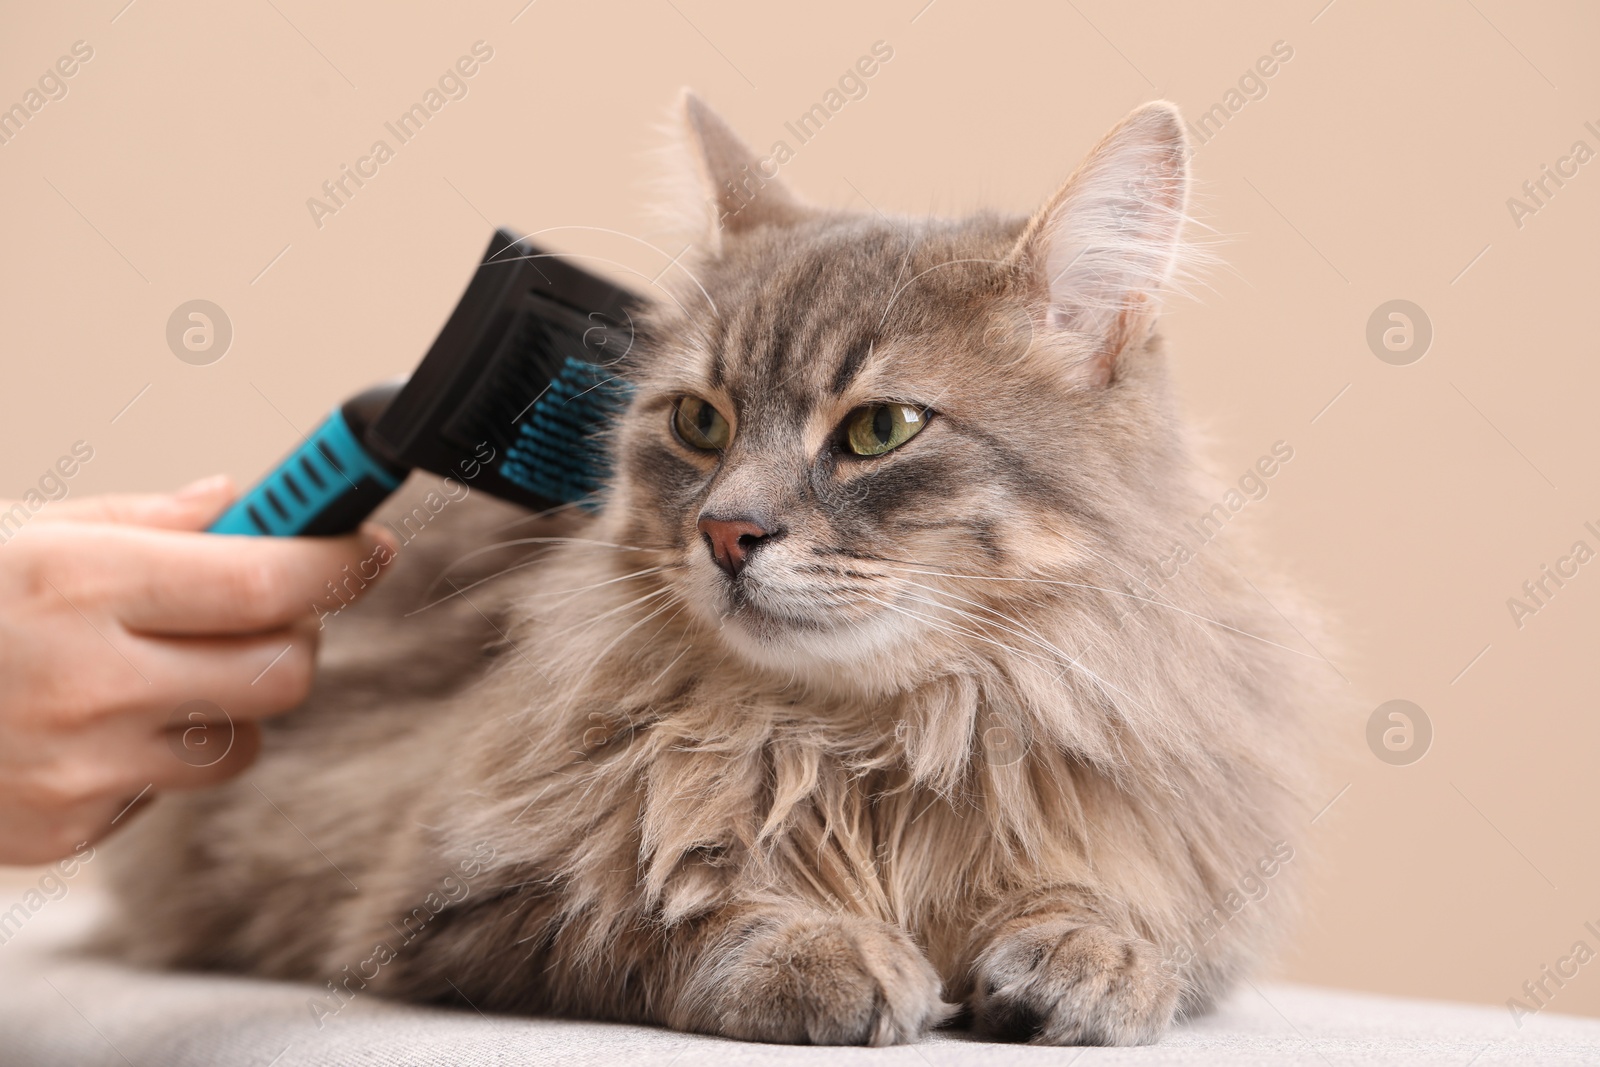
pixel 740 188
pixel 1099 253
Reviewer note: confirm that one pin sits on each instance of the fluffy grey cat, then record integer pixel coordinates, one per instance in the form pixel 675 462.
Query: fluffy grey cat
pixel 862 702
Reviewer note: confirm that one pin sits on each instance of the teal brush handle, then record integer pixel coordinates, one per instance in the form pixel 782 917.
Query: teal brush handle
pixel 327 486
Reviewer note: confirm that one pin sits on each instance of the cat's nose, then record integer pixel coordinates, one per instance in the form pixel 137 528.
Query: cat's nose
pixel 732 541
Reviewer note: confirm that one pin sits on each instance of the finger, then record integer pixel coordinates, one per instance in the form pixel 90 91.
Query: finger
pixel 179 759
pixel 179 763
pixel 194 507
pixel 106 784
pixel 33 836
pixel 175 583
pixel 247 677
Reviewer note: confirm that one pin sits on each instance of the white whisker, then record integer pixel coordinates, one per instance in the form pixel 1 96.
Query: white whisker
pixel 1070 662
pixel 1115 592
pixel 955 629
pixel 674 663
pixel 549 541
pixel 663 591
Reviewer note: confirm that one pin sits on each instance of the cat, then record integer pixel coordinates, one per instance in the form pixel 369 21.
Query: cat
pixel 856 708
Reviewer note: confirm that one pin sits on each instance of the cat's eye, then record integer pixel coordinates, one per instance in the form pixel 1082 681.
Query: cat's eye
pixel 879 428
pixel 700 425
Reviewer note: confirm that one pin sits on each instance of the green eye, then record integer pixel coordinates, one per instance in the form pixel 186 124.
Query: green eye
pixel 879 428
pixel 700 425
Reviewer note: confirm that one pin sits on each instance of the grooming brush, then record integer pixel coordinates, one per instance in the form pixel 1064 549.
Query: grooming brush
pixel 510 397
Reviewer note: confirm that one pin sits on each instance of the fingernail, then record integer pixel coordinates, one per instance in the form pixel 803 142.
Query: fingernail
pixel 210 486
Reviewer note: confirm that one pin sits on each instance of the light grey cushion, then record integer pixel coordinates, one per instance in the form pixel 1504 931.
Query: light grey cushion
pixel 64 1011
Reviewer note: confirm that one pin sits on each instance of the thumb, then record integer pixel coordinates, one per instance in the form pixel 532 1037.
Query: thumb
pixel 194 507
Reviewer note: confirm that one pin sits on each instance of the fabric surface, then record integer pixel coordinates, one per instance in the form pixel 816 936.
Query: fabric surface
pixel 62 1010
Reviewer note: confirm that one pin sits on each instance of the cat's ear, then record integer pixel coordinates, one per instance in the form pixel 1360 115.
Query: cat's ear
pixel 738 188
pixel 1099 253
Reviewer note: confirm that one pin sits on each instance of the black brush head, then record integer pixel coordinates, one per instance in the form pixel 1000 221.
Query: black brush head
pixel 519 384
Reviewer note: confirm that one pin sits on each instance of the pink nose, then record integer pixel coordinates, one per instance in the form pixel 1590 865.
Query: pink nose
pixel 732 541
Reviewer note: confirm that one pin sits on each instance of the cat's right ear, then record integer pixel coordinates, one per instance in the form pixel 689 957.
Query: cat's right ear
pixel 1099 254
pixel 738 189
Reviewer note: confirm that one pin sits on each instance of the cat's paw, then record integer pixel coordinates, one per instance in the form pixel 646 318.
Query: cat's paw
pixel 1062 982
pixel 823 980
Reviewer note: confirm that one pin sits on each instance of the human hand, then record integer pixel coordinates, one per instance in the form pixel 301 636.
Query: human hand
pixel 114 612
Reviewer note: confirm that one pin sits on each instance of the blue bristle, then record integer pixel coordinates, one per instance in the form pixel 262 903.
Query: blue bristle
pixel 546 455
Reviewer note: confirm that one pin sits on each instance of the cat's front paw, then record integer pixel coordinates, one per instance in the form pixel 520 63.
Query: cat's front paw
pixel 1062 982
pixel 822 980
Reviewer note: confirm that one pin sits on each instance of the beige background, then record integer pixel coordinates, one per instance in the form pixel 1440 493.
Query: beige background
pixel 1376 167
